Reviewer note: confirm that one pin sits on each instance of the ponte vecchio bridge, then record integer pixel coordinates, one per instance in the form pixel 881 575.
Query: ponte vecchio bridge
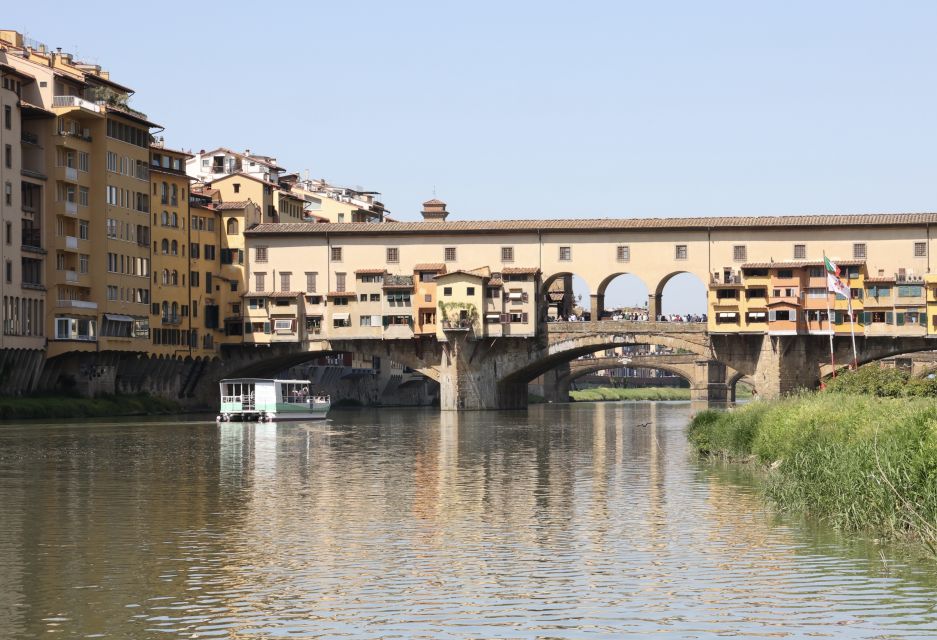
pixel 468 303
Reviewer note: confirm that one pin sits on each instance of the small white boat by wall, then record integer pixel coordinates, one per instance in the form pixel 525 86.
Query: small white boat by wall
pixel 268 400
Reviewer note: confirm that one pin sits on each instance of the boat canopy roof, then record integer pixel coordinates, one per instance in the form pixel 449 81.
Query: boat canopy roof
pixel 255 380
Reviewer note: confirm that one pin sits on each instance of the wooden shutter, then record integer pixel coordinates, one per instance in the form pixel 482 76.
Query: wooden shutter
pixel 772 316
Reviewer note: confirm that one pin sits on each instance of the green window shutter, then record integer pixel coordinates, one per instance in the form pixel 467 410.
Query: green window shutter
pixel 889 317
pixel 866 317
pixel 899 319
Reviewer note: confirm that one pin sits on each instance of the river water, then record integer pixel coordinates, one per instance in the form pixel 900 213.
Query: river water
pixel 561 522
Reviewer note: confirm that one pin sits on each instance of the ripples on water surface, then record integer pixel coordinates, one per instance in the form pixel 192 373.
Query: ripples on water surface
pixel 566 521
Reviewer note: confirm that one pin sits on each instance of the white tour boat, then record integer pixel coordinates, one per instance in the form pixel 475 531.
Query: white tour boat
pixel 268 400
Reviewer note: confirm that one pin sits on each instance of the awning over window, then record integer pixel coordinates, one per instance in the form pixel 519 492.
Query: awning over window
pixel 341 316
pixel 493 316
pixel 117 317
pixel 728 315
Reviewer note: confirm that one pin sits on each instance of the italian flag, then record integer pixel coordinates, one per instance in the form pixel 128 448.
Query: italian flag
pixel 833 283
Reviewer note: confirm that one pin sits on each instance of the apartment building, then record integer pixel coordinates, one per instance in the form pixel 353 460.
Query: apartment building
pixel 204 265
pixel 325 202
pixel 23 179
pixel 171 287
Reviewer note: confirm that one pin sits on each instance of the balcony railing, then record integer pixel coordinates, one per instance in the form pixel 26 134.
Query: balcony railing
pixel 75 102
pixel 171 318
pixel 32 238
pixel 71 207
pixel 456 325
pixel 77 304
pixel 71 275
pixel 29 137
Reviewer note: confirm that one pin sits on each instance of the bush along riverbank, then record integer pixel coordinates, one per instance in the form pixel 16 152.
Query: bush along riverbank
pixel 22 408
pixel 860 461
pixel 614 393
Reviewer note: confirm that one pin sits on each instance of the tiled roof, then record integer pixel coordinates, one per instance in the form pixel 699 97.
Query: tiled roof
pixel 882 279
pixel 430 266
pixel 370 272
pixel 340 294
pixel 604 224
pixel 495 282
pixel 237 204
pixel 793 264
pixel 520 270
pixel 434 201
pixel 272 294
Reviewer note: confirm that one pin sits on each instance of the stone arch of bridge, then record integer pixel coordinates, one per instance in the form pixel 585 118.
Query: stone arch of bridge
pixel 656 297
pixel 568 350
pixel 566 304
pixel 871 350
pixel 602 289
pixel 684 371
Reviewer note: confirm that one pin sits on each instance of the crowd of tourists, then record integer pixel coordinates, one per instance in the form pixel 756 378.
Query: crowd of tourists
pixel 633 317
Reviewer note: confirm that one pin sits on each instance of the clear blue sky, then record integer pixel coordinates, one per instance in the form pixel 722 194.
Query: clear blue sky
pixel 544 109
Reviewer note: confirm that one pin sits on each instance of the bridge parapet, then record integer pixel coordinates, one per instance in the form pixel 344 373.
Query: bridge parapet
pixel 625 326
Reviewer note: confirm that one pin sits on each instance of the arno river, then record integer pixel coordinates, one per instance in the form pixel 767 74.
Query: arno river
pixel 561 522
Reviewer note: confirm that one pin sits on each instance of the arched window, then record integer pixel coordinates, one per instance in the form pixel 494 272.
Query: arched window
pixel 164 193
pixel 164 246
pixel 165 218
pixel 174 200
pixel 175 309
pixel 173 219
pixel 174 277
pixel 232 226
pixel 165 276
pixel 174 249
pixel 165 309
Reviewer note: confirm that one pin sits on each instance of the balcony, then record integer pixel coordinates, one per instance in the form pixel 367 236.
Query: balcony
pixel 67 243
pixel 171 318
pixel 66 174
pixel 81 105
pixel 32 240
pixel 76 304
pixel 28 137
pixel 457 325
pixel 69 207
pixel 71 275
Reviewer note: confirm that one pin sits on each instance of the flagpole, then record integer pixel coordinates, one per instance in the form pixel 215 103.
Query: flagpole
pixel 829 321
pixel 852 323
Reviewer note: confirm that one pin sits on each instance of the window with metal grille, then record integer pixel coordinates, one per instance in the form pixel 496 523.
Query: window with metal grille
pixel 340 282
pixel 920 249
pixel 259 281
pixel 858 251
pixel 285 280
pixel 740 253
pixel 800 252
pixel 310 282
pixel 336 254
pixel 680 252
pixel 623 253
pixel 260 254
pixel 393 254
pixel 507 254
pixel 566 254
pixel 449 254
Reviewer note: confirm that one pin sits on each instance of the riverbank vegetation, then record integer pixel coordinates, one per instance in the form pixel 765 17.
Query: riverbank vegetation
pixel 636 393
pixel 22 408
pixel 862 461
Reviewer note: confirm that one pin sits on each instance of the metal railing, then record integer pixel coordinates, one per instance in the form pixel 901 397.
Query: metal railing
pixel 75 101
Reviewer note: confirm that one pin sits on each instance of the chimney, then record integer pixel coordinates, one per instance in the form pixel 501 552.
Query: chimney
pixel 434 211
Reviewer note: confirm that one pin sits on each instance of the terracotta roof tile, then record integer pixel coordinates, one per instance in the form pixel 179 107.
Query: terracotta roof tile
pixel 272 294
pixel 237 204
pixel 430 266
pixel 603 224
pixel 794 264
pixel 881 279
pixel 520 270
pixel 340 294
pixel 370 272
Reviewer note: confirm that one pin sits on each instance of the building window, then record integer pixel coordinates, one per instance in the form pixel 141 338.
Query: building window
pixel 336 254
pixel 739 253
pixel 623 253
pixel 310 282
pixel 393 254
pixel 340 282
pixel 858 251
pixel 800 252
pixel 679 252
pixel 470 291
pixel 507 254
pixel 260 254
pixel 8 271
pixel 8 117
pixel 9 233
pixel 285 280
pixel 920 249
pixel 566 254
pixel 232 226
pixel 447 291
pixel 8 156
pixel 259 281
pixel 449 254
